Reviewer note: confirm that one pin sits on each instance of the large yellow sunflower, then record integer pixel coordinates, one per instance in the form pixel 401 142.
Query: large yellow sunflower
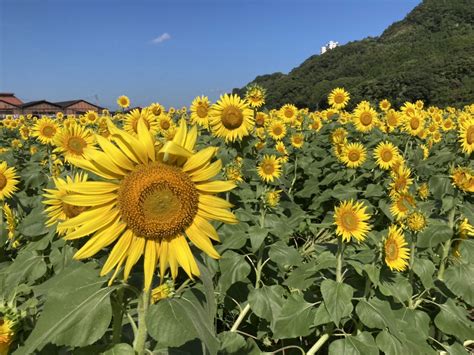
pixel 396 252
pixel 269 168
pixel 350 218
pixel 150 200
pixel 365 117
pixel 277 130
pixel 45 129
pixel 338 98
pixel 466 136
pixel 414 123
pixel 200 111
pixel 354 155
pixel 231 118
pixel 73 141
pixel 8 180
pixel 149 119
pixel 288 113
pixel 91 117
pixel 386 154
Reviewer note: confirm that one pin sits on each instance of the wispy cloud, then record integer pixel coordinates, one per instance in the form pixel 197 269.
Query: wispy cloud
pixel 162 38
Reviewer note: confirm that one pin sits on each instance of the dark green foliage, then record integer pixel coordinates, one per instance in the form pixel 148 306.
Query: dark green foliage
pixel 429 56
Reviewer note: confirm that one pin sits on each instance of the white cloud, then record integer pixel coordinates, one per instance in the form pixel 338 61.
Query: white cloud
pixel 160 39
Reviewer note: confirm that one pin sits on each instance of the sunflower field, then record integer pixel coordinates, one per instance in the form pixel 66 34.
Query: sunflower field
pixel 230 228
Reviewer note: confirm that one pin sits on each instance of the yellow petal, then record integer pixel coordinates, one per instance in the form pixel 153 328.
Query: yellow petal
pixel 103 162
pixel 185 258
pixel 88 200
pixel 134 253
pixel 146 139
pixel 118 252
pixel 206 227
pixel 86 216
pixel 92 225
pixel 92 187
pixel 173 149
pixel 180 136
pixel 222 215
pixel 199 159
pixel 191 139
pixel 216 186
pixel 115 153
pixel 86 165
pixel 201 241
pixel 163 258
pixel 214 201
pixel 150 262
pixel 102 238
pixel 208 172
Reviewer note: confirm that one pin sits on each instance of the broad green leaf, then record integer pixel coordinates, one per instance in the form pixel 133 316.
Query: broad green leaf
pixel 436 232
pixel 257 236
pixel 234 268
pixel 454 320
pixel 373 190
pixel 28 266
pixel 321 316
pixel 305 275
pixel 362 344
pixel 337 298
pixel 460 280
pixel 398 287
pixel 376 313
pixel 175 321
pixel 424 268
pixel 284 255
pixel 120 349
pixel 440 186
pixel 389 344
pixel 295 319
pixel 77 311
pixel 233 343
pixel 266 302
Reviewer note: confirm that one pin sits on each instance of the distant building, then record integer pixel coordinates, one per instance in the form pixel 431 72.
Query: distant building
pixel 11 105
pixel 329 46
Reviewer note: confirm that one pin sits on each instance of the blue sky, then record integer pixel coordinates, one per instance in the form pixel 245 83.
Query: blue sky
pixel 169 51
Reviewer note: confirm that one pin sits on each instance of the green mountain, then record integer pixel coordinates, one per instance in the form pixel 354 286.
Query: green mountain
pixel 429 55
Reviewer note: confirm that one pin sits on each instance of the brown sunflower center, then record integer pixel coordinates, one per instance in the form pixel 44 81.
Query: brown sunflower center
pixel 3 181
pixel 297 140
pixel 391 249
pixel 260 120
pixel 268 168
pixel 72 211
pixel 392 120
pixel 349 220
pixel 48 131
pixel 76 145
pixel 165 124
pixel 386 155
pixel 470 135
pixel 158 201
pixel 339 98
pixel 414 123
pixel 201 111
pixel 232 117
pixel 353 155
pixel 366 118
pixel 91 117
pixel 277 131
pixel 288 113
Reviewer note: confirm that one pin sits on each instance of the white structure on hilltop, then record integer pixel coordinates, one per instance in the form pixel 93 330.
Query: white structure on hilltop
pixel 328 46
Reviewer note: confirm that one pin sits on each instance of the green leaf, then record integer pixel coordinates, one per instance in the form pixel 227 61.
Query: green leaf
pixel 257 236
pixel 175 321
pixel 398 287
pixel 376 313
pixel 295 319
pixel 120 349
pixel 33 224
pixel 424 268
pixel 389 344
pixel 436 232
pixel 304 276
pixel 344 192
pixel 77 311
pixel 284 255
pixel 266 302
pixel 362 344
pixel 453 320
pixel 373 190
pixel 337 298
pixel 234 268
pixel 28 267
pixel 440 186
pixel 233 343
pixel 460 280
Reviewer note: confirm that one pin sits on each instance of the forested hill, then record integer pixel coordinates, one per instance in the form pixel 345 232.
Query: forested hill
pixel 429 55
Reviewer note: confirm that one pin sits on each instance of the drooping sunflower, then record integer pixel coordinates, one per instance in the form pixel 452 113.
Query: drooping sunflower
pixel 123 101
pixel 269 168
pixel 354 155
pixel 25 132
pixel 401 205
pixel 200 111
pixel 315 123
pixel 288 113
pixel 463 178
pixel 423 191
pixel 261 119
pixel 364 117
pixel 338 98
pixel 351 220
pixel 131 119
pixel 386 154
pixel 10 219
pixel 231 118
pixel 297 140
pixel 272 198
pixel 392 119
pixel 416 221
pixel 7 334
pixel 45 129
pixel 149 202
pixel 396 252
pixel 466 136
pixel 8 180
pixel 255 95
pixel 339 136
pixel 156 108
pixel 280 148
pixel 73 141
pixel 401 180
pixel 465 230
pixel 58 210
pixel 277 130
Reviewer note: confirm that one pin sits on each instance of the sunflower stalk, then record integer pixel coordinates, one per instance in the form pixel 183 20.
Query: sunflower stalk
pixel 140 340
pixel 446 246
pixel 339 259
pixel 117 317
pixel 411 303
pixel 294 177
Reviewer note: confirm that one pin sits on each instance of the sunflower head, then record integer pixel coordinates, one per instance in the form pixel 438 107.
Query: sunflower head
pixel 8 180
pixel 385 105
pixel 255 95
pixel 123 101
pixel 395 250
pixel 277 130
pixel 272 198
pixel 386 154
pixel 466 135
pixel 45 129
pixel 338 98
pixel 200 111
pixel 269 168
pixel 351 220
pixel 354 155
pixel 73 141
pixel 416 221
pixel 297 140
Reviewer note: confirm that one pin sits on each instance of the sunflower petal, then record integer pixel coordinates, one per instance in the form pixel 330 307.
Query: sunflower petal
pixel 207 173
pixel 216 186
pixel 201 241
pixel 134 253
pixel 118 252
pixel 199 159
pixel 102 238
pixel 150 262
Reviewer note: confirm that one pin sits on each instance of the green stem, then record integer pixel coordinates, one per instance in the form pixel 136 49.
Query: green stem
pixel 446 247
pixel 324 338
pixel 294 177
pixel 117 317
pixel 339 259
pixel 140 340
pixel 410 272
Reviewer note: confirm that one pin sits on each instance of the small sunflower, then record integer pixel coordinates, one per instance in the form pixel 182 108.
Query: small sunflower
pixel 351 220
pixel 277 130
pixel 386 154
pixel 149 119
pixel 297 140
pixel 396 252
pixel 364 117
pixel 401 205
pixel 401 180
pixel 73 141
pixel 414 123
pixel 385 105
pixel 423 191
pixel 416 221
pixel 91 117
pixel 255 95
pixel 10 219
pixel 288 113
pixel 156 108
pixel 269 168
pixel 231 118
pixel 392 119
pixel 123 101
pixel 466 136
pixel 261 118
pixel 8 180
pixel 465 230
pixel 200 111
pixel 280 148
pixel 315 124
pixel 354 155
pixel 463 178
pixel 7 334
pixel 338 98
pixel 45 129
pixel 272 198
